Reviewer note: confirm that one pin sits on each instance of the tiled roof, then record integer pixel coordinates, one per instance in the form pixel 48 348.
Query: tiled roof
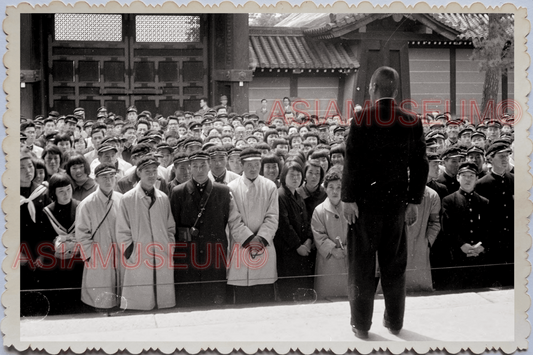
pixel 469 25
pixel 451 25
pixel 287 48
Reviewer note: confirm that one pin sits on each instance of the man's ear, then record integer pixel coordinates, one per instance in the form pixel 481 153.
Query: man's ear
pixel 137 172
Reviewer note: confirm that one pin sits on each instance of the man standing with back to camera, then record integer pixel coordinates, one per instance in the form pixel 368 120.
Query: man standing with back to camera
pixel 384 176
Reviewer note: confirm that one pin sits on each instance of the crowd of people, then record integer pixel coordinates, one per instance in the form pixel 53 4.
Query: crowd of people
pixel 215 207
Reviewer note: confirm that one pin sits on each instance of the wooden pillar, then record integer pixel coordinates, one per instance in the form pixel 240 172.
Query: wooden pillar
pixel 231 59
pixel 32 97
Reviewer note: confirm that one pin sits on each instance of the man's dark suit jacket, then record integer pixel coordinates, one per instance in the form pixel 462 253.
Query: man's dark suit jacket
pixel 210 246
pixel 386 159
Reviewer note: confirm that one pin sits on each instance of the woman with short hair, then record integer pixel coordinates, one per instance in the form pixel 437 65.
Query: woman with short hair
pixel 330 229
pixel 294 239
pixel 53 159
pixel 78 170
pixel 64 279
pixel 271 168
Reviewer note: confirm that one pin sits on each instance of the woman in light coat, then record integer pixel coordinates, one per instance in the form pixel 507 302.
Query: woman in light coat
pixel 329 229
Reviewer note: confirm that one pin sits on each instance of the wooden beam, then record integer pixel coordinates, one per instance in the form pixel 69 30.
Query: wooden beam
pixel 453 81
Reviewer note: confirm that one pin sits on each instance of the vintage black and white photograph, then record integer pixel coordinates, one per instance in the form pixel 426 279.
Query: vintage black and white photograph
pixel 338 178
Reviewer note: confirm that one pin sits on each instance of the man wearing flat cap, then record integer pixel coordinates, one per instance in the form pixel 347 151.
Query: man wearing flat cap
pixel 494 128
pixel 95 230
pixel 452 131
pixel 182 171
pixel 145 236
pixel 466 224
pixel 478 139
pixel 108 154
pixel 131 178
pixel 256 198
pixel 218 160
pixel 476 155
pixel 202 210
pixel 464 138
pixel 452 157
pixel 498 187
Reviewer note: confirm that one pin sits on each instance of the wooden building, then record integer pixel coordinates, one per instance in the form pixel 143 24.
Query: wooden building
pixel 431 52
pixel 163 63
pixel 159 63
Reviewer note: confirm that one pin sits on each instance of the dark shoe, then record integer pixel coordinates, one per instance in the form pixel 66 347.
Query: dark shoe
pixel 361 334
pixel 392 331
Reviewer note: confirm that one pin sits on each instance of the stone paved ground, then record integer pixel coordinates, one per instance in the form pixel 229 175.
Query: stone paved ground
pixel 473 316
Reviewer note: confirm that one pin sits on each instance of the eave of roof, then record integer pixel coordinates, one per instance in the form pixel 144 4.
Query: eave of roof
pixel 288 48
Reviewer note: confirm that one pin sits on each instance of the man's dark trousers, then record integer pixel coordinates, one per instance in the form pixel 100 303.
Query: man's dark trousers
pixel 378 229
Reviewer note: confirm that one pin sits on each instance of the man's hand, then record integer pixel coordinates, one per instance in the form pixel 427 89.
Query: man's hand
pixel 467 249
pixel 411 214
pixel 303 250
pixel 338 253
pixel 351 211
pixel 477 250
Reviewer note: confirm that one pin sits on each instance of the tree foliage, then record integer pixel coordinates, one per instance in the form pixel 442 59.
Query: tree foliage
pixel 266 19
pixel 495 53
pixel 496 49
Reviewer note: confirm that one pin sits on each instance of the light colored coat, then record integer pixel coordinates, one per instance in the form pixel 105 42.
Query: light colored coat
pixel 327 224
pixel 102 277
pixel 420 236
pixel 258 205
pixel 146 286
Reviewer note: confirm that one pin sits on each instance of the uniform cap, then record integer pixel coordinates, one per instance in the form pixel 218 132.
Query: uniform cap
pixel 474 149
pixel 147 160
pixel 452 152
pixel 479 134
pixel 106 148
pixel 250 154
pixel 465 130
pixel 180 158
pixel 433 157
pixel 198 155
pixel 498 147
pixel 467 167
pixel 102 169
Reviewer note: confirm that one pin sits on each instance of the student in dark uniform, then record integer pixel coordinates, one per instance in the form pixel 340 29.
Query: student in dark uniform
pixel 433 174
pixel 498 187
pixel 182 171
pixel 466 225
pixel 201 210
pixel 384 145
pixel 451 157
